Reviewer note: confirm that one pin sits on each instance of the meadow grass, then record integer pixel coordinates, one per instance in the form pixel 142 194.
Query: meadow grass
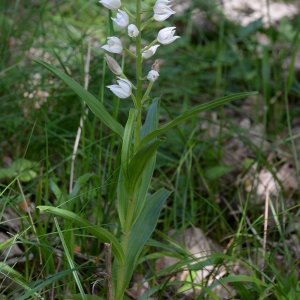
pixel 210 163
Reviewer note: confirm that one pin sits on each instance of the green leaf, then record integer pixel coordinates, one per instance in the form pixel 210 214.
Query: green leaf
pixel 142 229
pixel 214 172
pixel 250 28
pixel 190 113
pixel 9 242
pixel 23 168
pixel 232 278
pixel 81 181
pixel 95 106
pixel 57 191
pixel 95 230
pixel 127 141
pixel 70 261
pixel 47 282
pixel 7 173
pixel 18 278
pixel 138 164
pixel 149 125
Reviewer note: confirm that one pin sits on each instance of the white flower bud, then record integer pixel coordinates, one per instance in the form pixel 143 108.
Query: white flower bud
pixel 166 36
pixel 162 11
pixel 114 45
pixel 122 19
pixel 113 65
pixel 111 4
pixel 152 75
pixel 122 89
pixel 132 30
pixel 148 53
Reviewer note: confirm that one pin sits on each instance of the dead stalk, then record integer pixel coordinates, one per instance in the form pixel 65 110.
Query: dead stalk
pixel 107 250
pixel 78 135
pixel 266 222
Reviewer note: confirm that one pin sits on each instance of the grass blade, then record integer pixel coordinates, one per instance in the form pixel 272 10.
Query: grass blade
pixel 190 113
pixel 97 231
pixel 70 261
pixel 95 106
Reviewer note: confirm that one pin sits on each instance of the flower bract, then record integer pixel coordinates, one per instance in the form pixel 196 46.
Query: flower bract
pixel 122 89
pixel 122 19
pixel 148 53
pixel 152 75
pixel 132 30
pixel 114 45
pixel 166 35
pixel 113 65
pixel 111 4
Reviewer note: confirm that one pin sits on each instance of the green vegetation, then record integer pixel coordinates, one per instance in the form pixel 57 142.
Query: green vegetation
pixel 224 166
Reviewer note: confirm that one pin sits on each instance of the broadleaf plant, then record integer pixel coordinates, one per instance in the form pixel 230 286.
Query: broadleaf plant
pixel 138 214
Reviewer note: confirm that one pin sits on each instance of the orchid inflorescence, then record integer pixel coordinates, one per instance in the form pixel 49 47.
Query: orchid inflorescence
pixel 162 11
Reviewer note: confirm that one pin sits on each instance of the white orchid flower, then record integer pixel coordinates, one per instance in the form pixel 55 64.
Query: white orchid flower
pixel 122 19
pixel 166 36
pixel 111 4
pixel 152 75
pixel 162 11
pixel 114 45
pixel 148 53
pixel 122 89
pixel 133 31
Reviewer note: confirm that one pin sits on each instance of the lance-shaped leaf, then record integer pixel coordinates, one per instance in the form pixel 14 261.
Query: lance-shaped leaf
pixel 138 164
pixel 95 106
pixel 127 141
pixel 142 229
pixel 190 113
pixel 149 125
pixel 97 231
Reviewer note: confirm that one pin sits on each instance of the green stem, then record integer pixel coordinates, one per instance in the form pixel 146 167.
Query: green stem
pixel 128 12
pixel 139 59
pixel 147 23
pixel 147 91
pixel 146 10
pixel 129 52
pixel 148 47
pixel 138 104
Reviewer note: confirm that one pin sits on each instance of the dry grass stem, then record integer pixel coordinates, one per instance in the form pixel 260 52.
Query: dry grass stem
pixel 107 249
pixel 82 118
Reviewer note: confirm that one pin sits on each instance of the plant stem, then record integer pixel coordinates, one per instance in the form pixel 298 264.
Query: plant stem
pixel 125 241
pixel 139 75
pixel 147 91
pixel 132 201
pixel 149 46
pixel 147 23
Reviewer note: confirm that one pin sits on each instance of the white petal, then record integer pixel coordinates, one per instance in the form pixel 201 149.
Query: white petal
pixel 151 51
pixel 111 4
pixel 160 18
